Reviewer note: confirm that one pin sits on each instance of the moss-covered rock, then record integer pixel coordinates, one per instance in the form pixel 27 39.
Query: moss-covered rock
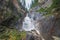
pixel 9 15
pixel 12 34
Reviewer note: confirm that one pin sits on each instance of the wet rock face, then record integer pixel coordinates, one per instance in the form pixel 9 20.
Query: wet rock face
pixel 31 36
pixel 10 16
pixel 57 28
pixel 45 24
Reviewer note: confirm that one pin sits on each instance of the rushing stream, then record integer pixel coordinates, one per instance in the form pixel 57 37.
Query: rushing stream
pixel 38 26
pixel 28 23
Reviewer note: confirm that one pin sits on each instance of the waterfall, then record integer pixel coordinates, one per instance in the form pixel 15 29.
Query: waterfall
pixel 26 3
pixel 28 24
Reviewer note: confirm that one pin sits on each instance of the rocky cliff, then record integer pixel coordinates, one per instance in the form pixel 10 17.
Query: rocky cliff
pixel 11 12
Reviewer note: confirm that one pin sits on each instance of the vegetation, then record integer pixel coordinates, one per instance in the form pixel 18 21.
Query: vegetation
pixel 55 4
pixel 12 34
pixel 9 15
pixel 35 3
pixel 11 12
pixel 41 10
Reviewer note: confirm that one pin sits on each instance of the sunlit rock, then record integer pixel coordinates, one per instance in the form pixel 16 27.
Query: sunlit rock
pixel 40 1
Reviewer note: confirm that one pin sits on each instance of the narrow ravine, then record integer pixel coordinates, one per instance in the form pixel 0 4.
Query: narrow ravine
pixel 29 19
pixel 38 26
pixel 29 22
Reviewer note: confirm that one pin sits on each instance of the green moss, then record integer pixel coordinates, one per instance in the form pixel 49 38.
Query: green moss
pixel 35 3
pixel 55 4
pixel 17 35
pixel 12 34
pixel 41 10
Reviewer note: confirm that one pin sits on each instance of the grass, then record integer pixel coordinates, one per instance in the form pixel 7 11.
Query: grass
pixel 12 34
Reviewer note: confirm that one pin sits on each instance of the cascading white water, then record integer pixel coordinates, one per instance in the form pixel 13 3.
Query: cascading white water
pixel 28 24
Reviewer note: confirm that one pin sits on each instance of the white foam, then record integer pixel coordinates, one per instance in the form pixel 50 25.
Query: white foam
pixel 28 24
